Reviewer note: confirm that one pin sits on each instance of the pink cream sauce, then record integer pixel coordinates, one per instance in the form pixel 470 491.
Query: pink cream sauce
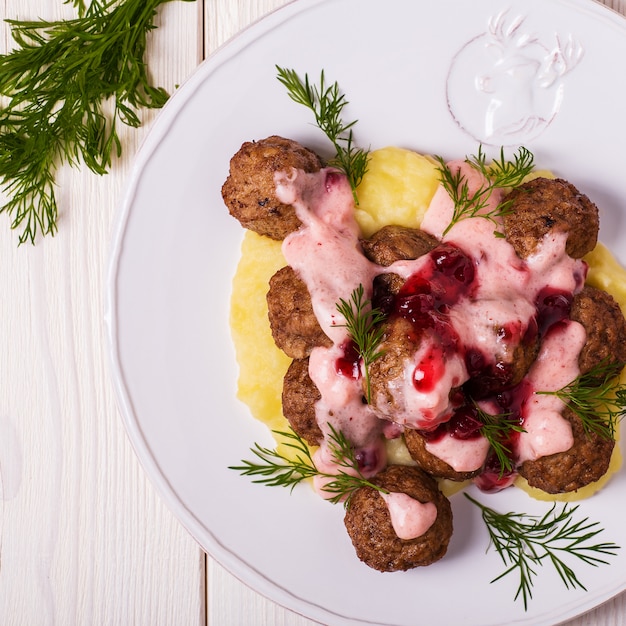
pixel 410 518
pixel 455 297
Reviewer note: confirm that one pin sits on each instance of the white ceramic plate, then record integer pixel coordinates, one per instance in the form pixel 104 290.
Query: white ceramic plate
pixel 434 76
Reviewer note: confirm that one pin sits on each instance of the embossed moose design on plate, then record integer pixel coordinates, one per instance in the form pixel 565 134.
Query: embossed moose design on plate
pixel 506 86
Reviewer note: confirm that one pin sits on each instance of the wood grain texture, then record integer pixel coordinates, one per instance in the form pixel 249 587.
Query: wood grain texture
pixel 84 537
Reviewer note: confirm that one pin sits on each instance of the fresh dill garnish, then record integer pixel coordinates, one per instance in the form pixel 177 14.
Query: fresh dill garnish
pixel 526 542
pixel 496 429
pixel 597 398
pixel 276 469
pixel 59 83
pixel 499 174
pixel 327 103
pixel 364 328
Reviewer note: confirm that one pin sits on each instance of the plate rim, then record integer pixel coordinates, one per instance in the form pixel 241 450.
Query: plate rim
pixel 156 134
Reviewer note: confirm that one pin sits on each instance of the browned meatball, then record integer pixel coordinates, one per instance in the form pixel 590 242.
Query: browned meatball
pixel 295 328
pixel 543 205
pixel 584 463
pixel 390 244
pixel 369 525
pixel 299 397
pixel 395 243
pixel 384 288
pixel 604 323
pixel 249 191
pixel 491 374
pixel 387 371
pixel 416 445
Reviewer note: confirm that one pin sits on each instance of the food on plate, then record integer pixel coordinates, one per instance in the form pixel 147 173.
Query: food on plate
pixel 444 311
pixel 384 536
pixel 250 192
pixel 295 328
pixel 542 206
pixel 299 397
pixel 416 279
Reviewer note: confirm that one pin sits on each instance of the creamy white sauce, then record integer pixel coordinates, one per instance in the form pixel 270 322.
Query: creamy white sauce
pixel 410 518
pixel 476 321
pixel 551 266
pixel 341 403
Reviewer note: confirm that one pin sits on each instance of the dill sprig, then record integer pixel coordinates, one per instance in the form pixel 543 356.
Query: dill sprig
pixel 327 103
pixel 364 328
pixel 597 398
pixel 526 542
pixel 275 469
pixel 499 174
pixel 59 82
pixel 496 429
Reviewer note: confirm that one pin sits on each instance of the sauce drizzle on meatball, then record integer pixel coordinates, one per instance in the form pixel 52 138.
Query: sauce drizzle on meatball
pixel 469 306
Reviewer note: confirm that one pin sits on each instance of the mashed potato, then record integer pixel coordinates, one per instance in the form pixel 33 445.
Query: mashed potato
pixel 397 189
pixel 262 365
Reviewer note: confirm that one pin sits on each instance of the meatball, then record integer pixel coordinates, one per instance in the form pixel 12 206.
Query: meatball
pixel 395 243
pixel 541 206
pixel 294 327
pixel 416 445
pixel 299 397
pixel 604 323
pixel 508 367
pixel 384 289
pixel 584 463
pixel 385 247
pixel 249 191
pixel 386 373
pixel 368 522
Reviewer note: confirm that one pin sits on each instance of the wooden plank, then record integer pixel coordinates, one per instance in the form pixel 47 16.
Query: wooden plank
pixel 84 537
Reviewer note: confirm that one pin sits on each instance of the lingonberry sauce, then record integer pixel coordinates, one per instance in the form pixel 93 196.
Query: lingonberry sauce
pixel 464 424
pixel 367 459
pixel 493 478
pixel 429 370
pixel 348 364
pixel 553 306
pixel 425 299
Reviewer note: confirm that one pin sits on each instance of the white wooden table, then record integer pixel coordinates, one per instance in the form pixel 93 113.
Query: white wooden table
pixel 84 538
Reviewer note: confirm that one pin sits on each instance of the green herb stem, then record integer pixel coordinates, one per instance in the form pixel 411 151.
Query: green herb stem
pixel 597 398
pixel 327 104
pixel 276 469
pixel 497 430
pixel 58 82
pixel 525 543
pixel 364 328
pixel 500 174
